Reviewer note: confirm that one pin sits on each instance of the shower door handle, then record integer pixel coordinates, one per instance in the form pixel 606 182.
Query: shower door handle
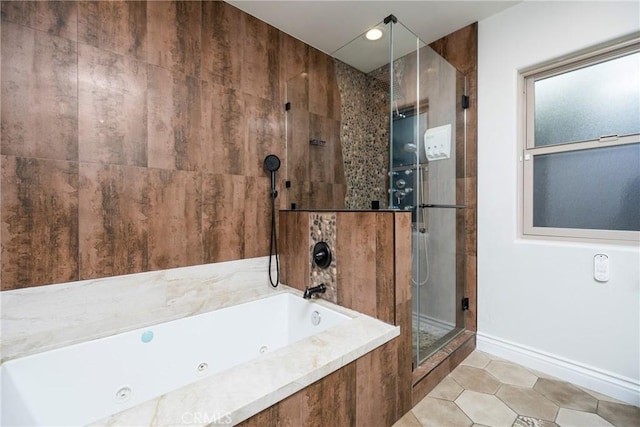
pixel 429 205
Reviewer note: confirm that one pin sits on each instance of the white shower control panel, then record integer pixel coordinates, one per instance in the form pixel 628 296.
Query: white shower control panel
pixel 601 267
pixel 437 143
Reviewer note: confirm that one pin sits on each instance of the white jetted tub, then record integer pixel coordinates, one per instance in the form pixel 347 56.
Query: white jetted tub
pixel 84 383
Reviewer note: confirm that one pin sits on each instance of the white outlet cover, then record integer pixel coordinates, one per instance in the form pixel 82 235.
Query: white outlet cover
pixel 601 267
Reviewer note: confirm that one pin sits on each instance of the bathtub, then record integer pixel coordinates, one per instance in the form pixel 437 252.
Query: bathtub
pixel 84 383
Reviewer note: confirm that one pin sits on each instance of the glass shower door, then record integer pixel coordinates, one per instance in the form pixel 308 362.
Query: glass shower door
pixel 427 152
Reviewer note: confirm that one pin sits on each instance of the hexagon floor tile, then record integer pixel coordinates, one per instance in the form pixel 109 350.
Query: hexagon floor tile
pixel 528 402
pixel 573 418
pixel 566 395
pixel 485 390
pixel 432 412
pixel 509 373
pixel 485 409
pixel 476 379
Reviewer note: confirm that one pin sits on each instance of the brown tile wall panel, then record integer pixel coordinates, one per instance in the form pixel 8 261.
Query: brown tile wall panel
pixel 294 244
pixel 257 217
pixel 322 158
pixel 223 204
pixel 173 103
pixel 58 18
pixel 119 27
pixel 403 304
pixel 356 259
pixel 472 294
pixel 331 401
pixel 260 76
pixel 402 247
pixel 223 129
pixel 289 412
pixel 297 93
pixel 113 225
pixel 222 43
pixel 286 413
pixel 264 121
pixel 39 94
pixel 385 271
pixel 339 194
pixel 39 222
pixel 112 108
pixel 324 96
pixel 175 234
pixel 173 35
pixel 376 384
pixel 405 356
pixel 157 93
pixel 298 149
pixel 294 60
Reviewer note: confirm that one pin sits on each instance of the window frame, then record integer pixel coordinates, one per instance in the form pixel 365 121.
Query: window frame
pixel 528 150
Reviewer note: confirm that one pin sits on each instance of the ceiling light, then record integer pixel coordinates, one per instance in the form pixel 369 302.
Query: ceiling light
pixel 374 34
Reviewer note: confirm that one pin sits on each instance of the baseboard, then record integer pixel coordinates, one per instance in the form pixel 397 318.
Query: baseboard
pixel 608 383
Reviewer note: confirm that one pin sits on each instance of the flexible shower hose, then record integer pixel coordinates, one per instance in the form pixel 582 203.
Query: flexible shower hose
pixel 420 282
pixel 273 244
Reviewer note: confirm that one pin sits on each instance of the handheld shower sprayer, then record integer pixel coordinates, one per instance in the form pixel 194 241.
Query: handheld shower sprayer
pixel 272 164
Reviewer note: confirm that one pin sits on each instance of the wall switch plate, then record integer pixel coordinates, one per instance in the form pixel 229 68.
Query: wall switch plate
pixel 601 267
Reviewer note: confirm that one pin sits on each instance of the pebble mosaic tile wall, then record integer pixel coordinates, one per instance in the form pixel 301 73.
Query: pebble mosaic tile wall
pixel 322 228
pixel 364 135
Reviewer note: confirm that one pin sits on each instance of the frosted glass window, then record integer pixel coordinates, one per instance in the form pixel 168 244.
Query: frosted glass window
pixel 595 189
pixel 590 102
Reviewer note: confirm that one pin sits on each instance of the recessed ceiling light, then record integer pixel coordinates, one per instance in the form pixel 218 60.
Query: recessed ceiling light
pixel 374 34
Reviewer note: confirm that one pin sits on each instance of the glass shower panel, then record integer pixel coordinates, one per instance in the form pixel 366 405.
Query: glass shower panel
pixel 427 152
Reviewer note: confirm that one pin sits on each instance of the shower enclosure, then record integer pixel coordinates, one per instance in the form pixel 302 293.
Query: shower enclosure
pixel 426 170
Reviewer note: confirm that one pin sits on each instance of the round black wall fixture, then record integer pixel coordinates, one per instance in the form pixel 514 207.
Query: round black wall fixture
pixel 322 255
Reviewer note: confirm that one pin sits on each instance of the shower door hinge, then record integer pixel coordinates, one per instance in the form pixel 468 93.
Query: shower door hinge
pixel 465 102
pixel 287 106
pixel 390 18
pixel 465 304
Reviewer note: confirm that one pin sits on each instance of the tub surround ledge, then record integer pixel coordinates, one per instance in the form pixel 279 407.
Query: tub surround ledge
pixel 49 317
pixel 236 394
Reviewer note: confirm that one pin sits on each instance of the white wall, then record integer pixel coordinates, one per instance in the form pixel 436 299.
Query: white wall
pixel 538 303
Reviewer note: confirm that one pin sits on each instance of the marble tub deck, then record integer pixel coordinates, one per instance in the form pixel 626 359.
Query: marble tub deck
pixel 44 318
pixel 240 392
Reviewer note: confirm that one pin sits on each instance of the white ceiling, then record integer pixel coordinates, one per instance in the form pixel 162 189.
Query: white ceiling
pixel 328 25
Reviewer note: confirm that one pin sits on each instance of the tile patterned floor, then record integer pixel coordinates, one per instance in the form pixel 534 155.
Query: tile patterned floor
pixel 488 391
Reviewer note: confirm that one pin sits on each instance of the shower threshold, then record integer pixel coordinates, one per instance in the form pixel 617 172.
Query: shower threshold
pixel 430 344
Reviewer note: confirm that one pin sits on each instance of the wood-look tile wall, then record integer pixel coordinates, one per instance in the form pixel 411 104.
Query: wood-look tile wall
pixel 315 171
pixel 133 135
pixel 373 268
